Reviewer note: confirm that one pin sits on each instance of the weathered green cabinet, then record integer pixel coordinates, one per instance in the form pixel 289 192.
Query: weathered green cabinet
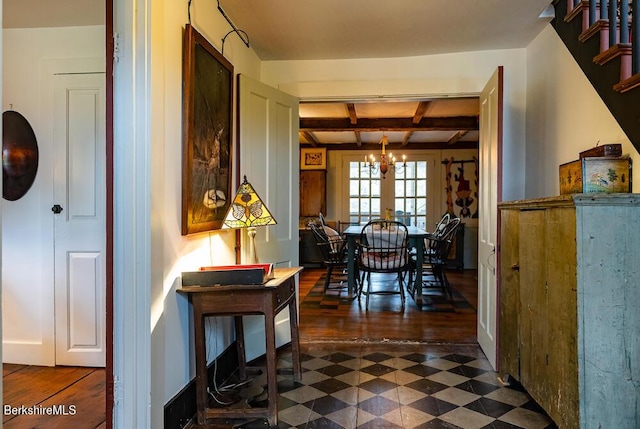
pixel 569 293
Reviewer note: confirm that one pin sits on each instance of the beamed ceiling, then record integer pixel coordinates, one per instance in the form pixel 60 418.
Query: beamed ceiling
pixel 440 123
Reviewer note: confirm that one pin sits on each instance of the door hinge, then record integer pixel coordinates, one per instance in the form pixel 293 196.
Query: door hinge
pixel 116 48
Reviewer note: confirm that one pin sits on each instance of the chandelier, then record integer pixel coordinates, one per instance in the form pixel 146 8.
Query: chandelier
pixel 386 163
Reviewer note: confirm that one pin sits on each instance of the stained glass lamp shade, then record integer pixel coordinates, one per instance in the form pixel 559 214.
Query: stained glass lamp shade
pixel 248 211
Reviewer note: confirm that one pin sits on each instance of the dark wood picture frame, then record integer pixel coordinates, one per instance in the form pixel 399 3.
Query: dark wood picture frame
pixel 206 134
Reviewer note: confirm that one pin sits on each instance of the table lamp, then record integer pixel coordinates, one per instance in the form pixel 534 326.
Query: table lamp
pixel 248 211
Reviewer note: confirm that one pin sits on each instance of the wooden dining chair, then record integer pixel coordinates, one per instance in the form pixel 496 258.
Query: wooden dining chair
pixel 384 248
pixel 436 255
pixel 333 250
pixel 322 219
pixel 444 220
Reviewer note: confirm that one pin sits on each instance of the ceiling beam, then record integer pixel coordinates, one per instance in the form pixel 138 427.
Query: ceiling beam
pixel 419 114
pixel 351 111
pixel 310 138
pixel 395 147
pixel 358 138
pixel 406 138
pixel 457 136
pixel 454 123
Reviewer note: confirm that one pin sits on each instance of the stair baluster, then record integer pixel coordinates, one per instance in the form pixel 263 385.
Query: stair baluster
pixel 592 12
pixel 624 21
pixel 604 9
pixel 613 22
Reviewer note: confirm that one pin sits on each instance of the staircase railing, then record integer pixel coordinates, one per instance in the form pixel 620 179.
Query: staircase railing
pixel 603 36
pixel 618 23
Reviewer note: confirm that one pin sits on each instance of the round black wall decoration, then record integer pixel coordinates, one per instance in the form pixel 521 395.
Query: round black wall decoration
pixel 19 155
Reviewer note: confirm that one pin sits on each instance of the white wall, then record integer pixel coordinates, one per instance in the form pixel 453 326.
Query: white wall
pixel 565 116
pixel 27 224
pixel 434 75
pixel 172 365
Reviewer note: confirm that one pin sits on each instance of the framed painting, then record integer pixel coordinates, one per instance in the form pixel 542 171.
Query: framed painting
pixel 206 134
pixel 313 159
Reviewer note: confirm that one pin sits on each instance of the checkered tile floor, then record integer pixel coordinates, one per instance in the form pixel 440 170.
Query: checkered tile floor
pixel 393 386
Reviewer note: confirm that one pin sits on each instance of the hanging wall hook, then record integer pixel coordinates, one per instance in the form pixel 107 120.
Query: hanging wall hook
pixel 241 33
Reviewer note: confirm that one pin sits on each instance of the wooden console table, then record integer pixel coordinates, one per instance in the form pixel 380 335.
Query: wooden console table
pixel 239 300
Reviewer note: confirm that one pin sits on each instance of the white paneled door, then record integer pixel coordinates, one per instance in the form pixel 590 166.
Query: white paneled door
pixel 490 172
pixel 79 218
pixel 269 157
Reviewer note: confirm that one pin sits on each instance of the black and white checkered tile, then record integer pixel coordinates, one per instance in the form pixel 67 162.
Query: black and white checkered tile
pixel 437 387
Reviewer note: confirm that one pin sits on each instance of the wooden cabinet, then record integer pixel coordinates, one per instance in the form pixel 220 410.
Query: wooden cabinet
pixel 310 255
pixel 569 293
pixel 313 184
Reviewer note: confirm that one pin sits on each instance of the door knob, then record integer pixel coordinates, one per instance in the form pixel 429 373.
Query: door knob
pixel 56 208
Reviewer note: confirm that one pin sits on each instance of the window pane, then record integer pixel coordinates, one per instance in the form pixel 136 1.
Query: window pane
pixel 375 188
pixel 364 188
pixel 354 204
pixel 353 188
pixel 364 205
pixel 421 188
pixel 411 188
pixel 410 206
pixel 365 172
pixel 421 172
pixel 411 170
pixel 399 188
pixel 354 170
pixel 375 207
pixel 421 206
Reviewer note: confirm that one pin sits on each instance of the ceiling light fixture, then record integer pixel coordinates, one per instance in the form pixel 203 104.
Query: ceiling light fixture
pixel 386 163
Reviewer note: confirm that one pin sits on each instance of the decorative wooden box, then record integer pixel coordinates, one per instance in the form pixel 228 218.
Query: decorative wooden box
pixel 612 149
pixel 255 274
pixel 596 175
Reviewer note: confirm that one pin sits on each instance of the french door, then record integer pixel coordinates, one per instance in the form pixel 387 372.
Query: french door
pixel 405 195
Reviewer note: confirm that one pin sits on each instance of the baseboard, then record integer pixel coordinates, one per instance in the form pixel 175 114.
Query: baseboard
pixel 181 409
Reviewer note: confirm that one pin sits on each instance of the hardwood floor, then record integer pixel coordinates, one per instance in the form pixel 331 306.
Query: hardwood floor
pixel 78 394
pixel 53 397
pixel 385 322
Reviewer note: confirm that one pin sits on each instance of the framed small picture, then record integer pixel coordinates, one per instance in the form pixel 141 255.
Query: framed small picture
pixel 313 159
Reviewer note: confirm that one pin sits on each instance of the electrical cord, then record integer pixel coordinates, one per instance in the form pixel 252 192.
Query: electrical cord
pixel 225 389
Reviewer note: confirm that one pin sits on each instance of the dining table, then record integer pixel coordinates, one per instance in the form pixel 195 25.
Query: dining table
pixel 417 238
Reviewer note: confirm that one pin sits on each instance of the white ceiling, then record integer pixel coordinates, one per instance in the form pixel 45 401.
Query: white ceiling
pixel 335 29
pixel 323 29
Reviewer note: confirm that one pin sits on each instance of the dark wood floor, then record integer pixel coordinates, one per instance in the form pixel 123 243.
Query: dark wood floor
pixel 385 322
pixel 84 388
